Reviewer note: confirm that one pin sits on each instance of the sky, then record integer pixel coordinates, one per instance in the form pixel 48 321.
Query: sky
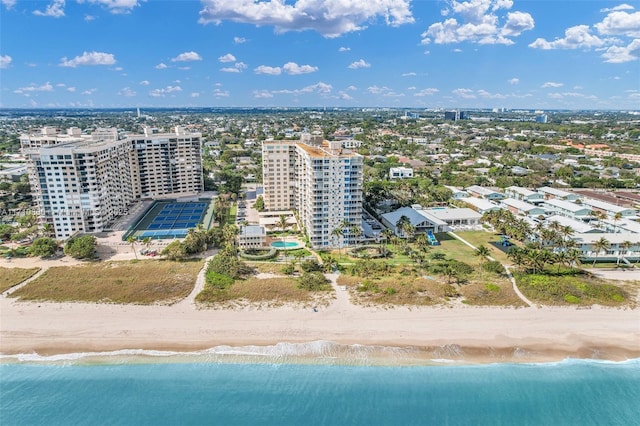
pixel 534 54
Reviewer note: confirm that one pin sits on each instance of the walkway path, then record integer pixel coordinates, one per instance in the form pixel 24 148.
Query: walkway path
pixel 506 268
pixel 190 300
pixel 342 303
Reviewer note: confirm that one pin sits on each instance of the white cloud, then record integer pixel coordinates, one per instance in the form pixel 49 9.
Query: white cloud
pixel 384 91
pixel 514 81
pixel 227 58
pixel 5 61
pixel 320 88
pixel 239 40
pixel 115 6
pixel 47 87
pixel 620 23
pixel 409 74
pixel 89 18
pixel 194 95
pixel 352 88
pixel 292 68
pixel 344 49
pixel 264 69
pixel 426 92
pixel 488 95
pixel 218 93
pixel 623 6
pixel 54 10
pixel 620 54
pixel 89 91
pixel 71 89
pixel 161 93
pixel 344 96
pixel 144 83
pixel 187 56
pixel 329 18
pixel 262 94
pixel 8 3
pixel 89 58
pixel 574 38
pixel 464 93
pixel 359 64
pixel 551 84
pixel 127 92
pixel 479 23
pixel 237 67
pixel 160 66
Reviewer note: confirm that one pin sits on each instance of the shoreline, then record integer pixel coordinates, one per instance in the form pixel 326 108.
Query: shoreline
pixel 464 335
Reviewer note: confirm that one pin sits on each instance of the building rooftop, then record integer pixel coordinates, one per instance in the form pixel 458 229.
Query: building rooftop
pixel 567 205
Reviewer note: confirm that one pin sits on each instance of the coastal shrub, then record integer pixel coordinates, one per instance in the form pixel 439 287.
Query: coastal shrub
pixel 81 247
pixel 174 251
pixel 44 247
pixel 298 252
pixel 558 289
pixel 492 287
pixel 288 269
pixel 369 251
pixel 311 265
pixel 218 281
pixel 570 298
pixel 227 264
pixel 257 254
pixel 368 286
pixel 313 281
pixel 390 291
pixel 493 266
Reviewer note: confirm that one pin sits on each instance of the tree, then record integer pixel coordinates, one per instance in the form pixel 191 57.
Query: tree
pixel 283 224
pixel 356 232
pixel 616 218
pixel 44 247
pixel 624 249
pixel 313 281
pixel 337 232
pixel 174 251
pixel 82 247
pixel 147 242
pixel 259 203
pixel 133 241
pixel 402 224
pixel 601 245
pixel 482 251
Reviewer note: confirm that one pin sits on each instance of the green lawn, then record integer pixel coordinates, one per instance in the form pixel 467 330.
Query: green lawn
pixel 482 237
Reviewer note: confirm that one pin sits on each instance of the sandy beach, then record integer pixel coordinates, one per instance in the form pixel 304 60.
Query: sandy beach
pixel 475 334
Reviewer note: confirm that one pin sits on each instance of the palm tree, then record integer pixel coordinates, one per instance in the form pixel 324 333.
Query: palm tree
pixel 147 242
pixel 616 218
pixel 422 242
pixel 482 251
pixel 283 224
pixel 337 232
pixel 402 223
pixel 388 234
pixel 624 246
pixel 601 245
pixel 356 232
pixel 133 241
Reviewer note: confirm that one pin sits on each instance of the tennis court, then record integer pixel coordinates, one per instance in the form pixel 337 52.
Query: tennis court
pixel 170 219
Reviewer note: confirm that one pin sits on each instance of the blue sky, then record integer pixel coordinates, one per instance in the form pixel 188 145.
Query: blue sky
pixel 543 54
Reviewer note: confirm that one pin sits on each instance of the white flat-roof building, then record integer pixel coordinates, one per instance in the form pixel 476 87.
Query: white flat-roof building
pixel 457 193
pixel 555 193
pixel 524 194
pixel 252 236
pixel 610 209
pixel 481 205
pixel 586 244
pixel 400 172
pixel 569 209
pixel 483 192
pixel 522 207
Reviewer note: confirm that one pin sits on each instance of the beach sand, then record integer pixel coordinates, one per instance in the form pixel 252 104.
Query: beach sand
pixel 460 333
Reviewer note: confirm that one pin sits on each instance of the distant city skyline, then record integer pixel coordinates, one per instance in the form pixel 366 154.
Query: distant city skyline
pixel 314 53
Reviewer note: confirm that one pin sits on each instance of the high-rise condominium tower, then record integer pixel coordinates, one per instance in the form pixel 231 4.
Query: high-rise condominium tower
pixel 318 179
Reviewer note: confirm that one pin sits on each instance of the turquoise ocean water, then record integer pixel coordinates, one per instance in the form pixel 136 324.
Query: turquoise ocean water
pixel 173 392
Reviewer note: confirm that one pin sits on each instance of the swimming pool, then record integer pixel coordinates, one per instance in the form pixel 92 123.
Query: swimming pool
pixel 284 244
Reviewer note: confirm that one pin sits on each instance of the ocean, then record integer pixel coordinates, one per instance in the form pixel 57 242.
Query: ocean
pixel 152 388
